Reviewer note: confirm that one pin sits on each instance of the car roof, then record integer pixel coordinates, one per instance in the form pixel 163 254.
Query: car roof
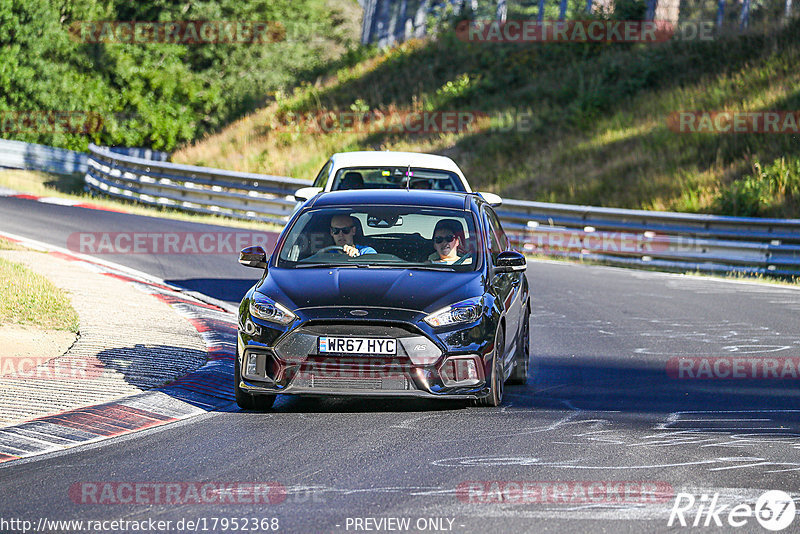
pixel 375 158
pixel 394 197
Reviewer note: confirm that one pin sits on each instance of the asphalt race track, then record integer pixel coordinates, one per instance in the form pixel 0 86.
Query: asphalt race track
pixel 604 406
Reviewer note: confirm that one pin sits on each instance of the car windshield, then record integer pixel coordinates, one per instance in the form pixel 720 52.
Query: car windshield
pixel 395 178
pixel 382 236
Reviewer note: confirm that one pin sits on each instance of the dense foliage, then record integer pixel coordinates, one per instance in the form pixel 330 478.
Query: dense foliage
pixel 150 94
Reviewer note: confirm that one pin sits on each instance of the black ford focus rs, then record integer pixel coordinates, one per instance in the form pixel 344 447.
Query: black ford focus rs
pixel 385 293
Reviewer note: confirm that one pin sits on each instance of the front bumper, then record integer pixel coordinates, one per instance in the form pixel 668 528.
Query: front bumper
pixel 292 364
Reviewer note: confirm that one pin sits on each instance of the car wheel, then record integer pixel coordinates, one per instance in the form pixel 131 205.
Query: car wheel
pixel 522 359
pixel 495 396
pixel 245 400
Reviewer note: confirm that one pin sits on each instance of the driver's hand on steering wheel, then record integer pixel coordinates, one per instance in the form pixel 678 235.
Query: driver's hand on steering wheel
pixel 350 250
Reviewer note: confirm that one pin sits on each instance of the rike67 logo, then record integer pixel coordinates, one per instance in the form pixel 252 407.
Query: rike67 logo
pixel 774 510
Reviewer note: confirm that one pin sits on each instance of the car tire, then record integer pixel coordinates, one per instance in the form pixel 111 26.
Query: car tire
pixel 495 396
pixel 519 375
pixel 245 400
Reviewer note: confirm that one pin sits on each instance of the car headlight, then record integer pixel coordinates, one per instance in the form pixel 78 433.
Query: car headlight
pixel 465 311
pixel 267 309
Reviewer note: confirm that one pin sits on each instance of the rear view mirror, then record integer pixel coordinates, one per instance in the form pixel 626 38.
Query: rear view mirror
pixel 378 221
pixel 253 257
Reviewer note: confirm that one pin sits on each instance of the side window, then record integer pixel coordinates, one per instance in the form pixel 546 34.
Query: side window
pixel 494 224
pixel 493 241
pixel 322 178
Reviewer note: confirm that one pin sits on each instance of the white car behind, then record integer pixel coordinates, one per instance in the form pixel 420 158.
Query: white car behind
pixel 389 170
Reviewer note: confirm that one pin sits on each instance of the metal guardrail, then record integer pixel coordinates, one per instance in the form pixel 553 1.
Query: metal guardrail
pixel 145 153
pixel 30 156
pixel 19 155
pixel 659 239
pixel 662 240
pixel 256 197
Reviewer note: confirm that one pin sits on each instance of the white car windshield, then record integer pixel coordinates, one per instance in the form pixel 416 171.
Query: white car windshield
pixel 382 236
pixel 395 178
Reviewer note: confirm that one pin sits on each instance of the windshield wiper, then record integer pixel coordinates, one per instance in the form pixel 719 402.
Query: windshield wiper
pixel 313 265
pixel 429 268
pixel 329 265
pixel 424 267
pixel 371 266
pixel 399 266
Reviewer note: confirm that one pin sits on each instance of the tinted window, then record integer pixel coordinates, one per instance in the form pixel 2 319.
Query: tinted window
pixel 494 222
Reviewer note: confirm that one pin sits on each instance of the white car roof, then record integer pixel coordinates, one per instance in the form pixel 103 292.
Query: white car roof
pixel 370 158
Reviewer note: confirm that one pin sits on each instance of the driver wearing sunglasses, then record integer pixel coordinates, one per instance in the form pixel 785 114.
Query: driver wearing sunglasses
pixel 343 231
pixel 448 237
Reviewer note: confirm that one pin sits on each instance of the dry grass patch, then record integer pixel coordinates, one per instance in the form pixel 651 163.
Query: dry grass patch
pixel 599 131
pixel 27 298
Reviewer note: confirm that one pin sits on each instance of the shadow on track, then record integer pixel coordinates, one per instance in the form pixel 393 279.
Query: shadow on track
pixel 148 366
pixel 589 383
pixel 309 404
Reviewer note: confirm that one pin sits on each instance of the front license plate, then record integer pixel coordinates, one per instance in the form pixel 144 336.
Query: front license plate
pixel 358 345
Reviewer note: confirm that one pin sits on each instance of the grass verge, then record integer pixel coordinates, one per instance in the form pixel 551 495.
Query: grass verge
pixel 27 298
pixel 5 244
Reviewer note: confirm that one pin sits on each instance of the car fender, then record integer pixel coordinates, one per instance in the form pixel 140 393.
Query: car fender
pixel 495 317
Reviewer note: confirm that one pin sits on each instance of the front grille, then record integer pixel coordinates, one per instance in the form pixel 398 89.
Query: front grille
pixel 399 383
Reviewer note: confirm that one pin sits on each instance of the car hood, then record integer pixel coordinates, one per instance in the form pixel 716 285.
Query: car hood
pixel 409 289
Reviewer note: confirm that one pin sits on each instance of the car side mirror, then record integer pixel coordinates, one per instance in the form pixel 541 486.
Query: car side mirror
pixel 253 257
pixel 491 198
pixel 304 193
pixel 510 261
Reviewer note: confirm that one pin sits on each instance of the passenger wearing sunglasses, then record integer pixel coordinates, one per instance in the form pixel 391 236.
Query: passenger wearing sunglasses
pixel 448 239
pixel 343 231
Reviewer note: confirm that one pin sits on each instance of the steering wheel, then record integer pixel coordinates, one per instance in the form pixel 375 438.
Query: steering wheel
pixel 330 248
